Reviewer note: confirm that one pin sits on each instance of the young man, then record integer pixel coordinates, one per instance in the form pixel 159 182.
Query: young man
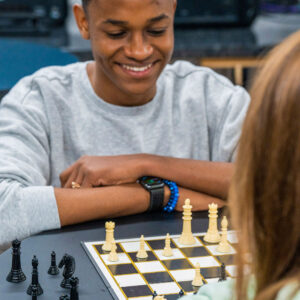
pixel 105 123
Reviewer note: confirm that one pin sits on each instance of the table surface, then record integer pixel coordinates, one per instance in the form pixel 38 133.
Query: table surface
pixel 67 240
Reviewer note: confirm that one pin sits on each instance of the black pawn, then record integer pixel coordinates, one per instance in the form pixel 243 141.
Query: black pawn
pixel 181 293
pixel 16 274
pixel 34 293
pixel 74 284
pixel 223 273
pixel 53 269
pixel 154 294
pixel 64 297
pixel 35 278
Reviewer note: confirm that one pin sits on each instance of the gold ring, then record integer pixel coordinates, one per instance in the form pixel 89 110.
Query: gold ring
pixel 75 185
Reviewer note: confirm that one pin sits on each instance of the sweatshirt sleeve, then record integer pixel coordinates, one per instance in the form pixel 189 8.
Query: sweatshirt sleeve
pixel 27 204
pixel 228 128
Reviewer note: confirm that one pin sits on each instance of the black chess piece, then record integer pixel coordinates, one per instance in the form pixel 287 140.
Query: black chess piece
pixel 223 273
pixel 53 269
pixel 35 278
pixel 74 281
pixel 181 293
pixel 16 274
pixel 64 297
pixel 69 262
pixel 154 294
pixel 34 292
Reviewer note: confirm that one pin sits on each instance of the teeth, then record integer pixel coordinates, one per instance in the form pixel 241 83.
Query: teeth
pixel 136 69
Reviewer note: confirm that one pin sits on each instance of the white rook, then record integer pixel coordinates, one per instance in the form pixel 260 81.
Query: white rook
pixel 109 228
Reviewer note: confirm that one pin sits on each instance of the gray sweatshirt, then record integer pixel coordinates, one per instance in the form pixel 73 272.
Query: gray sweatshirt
pixel 53 117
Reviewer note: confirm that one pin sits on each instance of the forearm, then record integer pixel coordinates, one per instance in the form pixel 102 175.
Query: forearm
pixel 81 205
pixel 211 178
pixel 199 201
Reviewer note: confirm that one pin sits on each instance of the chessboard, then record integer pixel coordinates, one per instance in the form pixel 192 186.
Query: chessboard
pixel 132 278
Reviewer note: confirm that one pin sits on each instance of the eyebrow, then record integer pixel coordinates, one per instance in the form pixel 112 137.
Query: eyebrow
pixel 122 23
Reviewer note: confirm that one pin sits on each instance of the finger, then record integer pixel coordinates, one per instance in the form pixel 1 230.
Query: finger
pixel 79 177
pixel 71 178
pixel 86 183
pixel 64 176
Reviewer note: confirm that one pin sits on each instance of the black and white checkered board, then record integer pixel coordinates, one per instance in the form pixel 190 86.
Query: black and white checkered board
pixel 132 279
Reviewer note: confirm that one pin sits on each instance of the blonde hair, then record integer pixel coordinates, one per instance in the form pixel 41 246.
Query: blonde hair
pixel 265 193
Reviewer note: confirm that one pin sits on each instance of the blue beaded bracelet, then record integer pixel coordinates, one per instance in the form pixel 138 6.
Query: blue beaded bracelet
pixel 173 197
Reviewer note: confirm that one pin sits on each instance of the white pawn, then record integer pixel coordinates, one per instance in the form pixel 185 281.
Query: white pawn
pixel 109 229
pixel 142 252
pixel 198 278
pixel 224 246
pixel 113 255
pixel 168 250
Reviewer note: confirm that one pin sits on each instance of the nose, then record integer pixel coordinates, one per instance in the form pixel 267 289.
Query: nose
pixel 138 48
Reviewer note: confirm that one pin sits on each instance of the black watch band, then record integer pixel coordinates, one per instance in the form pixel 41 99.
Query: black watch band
pixel 156 199
pixel 155 186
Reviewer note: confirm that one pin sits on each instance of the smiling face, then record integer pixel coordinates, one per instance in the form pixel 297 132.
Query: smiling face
pixel 132 41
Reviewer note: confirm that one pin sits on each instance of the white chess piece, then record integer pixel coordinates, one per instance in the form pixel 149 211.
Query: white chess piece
pixel 186 237
pixel 109 228
pixel 113 255
pixel 168 250
pixel 224 246
pixel 198 278
pixel 142 252
pixel 212 235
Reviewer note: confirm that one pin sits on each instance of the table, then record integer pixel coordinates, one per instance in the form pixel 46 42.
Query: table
pixel 67 240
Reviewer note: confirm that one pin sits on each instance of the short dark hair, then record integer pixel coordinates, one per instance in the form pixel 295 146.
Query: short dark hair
pixel 85 3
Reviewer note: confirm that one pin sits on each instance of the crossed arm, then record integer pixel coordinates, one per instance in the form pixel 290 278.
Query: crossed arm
pixel 109 184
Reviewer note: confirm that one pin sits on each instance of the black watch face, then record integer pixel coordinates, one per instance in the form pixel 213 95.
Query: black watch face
pixel 152 182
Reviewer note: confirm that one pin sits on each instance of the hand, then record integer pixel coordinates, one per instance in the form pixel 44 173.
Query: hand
pixel 93 171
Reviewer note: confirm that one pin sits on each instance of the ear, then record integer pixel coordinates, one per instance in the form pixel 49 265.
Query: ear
pixel 174 5
pixel 82 21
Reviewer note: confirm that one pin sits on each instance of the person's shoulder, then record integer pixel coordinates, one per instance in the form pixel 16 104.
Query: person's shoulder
pixel 59 72
pixel 290 291
pixel 212 291
pixel 186 71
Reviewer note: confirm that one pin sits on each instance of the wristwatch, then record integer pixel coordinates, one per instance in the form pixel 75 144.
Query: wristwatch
pixel 155 186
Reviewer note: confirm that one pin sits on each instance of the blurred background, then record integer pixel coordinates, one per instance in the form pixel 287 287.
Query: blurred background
pixel 229 36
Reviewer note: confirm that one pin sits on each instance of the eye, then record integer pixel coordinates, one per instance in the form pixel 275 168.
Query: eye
pixel 116 35
pixel 157 32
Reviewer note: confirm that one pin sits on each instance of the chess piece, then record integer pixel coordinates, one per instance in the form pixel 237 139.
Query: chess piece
pixel 186 237
pixel 34 293
pixel 35 279
pixel 198 278
pixel 53 269
pixel 223 273
pixel 142 252
pixel 64 297
pixel 181 293
pixel 109 229
pixel 168 250
pixel 224 246
pixel 69 262
pixel 154 294
pixel 74 284
pixel 113 256
pixel 212 235
pixel 16 274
